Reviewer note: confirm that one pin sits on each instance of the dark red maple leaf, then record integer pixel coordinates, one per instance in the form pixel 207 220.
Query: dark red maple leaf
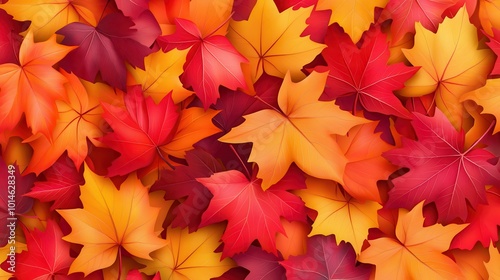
pixel 326 260
pixel 22 203
pixel 494 45
pixel 139 130
pixel 362 75
pixel 10 40
pixel 404 14
pixel 252 213
pixel 181 183
pixel 212 61
pixel 47 256
pixel 262 265
pixel 105 48
pixel 62 185
pixel 233 105
pixel 132 8
pixel 441 170
pixel 484 222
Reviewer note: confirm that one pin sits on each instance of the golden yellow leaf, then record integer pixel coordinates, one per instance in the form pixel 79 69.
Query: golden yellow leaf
pixel 471 262
pixel 355 16
pixel 416 253
pixel 487 97
pixel 271 40
pixel 189 255
pixel 161 75
pixel 48 16
pixel 451 64
pixel 338 212
pixel 111 220
pixel 299 135
pixel 492 266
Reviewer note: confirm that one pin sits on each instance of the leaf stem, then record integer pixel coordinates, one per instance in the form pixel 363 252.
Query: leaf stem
pixel 119 262
pixel 220 26
pixel 480 138
pixel 270 106
pixel 241 160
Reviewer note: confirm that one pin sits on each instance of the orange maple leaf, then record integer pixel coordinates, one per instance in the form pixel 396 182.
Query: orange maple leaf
pixel 111 221
pixel 33 86
pixel 416 252
pixel 296 133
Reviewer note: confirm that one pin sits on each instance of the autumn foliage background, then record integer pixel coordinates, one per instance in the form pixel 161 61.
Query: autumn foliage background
pixel 285 139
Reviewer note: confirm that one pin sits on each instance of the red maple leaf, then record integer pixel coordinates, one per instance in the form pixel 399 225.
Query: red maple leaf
pixel 252 213
pixel 181 183
pixel 326 260
pixel 62 185
pixel 441 170
pixel 362 75
pixel 10 40
pixel 139 130
pixel 405 13
pixel 262 265
pixel 106 47
pixel 484 222
pixel 212 61
pixel 47 256
pixel 296 4
pixel 494 44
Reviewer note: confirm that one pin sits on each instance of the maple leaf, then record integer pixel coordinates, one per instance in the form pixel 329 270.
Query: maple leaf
pixel 161 75
pixel 488 12
pixel 10 40
pixel 406 13
pixel 22 185
pixel 47 256
pixel 62 185
pixel 32 86
pixel 415 252
pixel 145 133
pixel 296 4
pixel 272 41
pixel 364 72
pixel 365 167
pixel 262 265
pixel 335 207
pixel 298 134
pixel 492 264
pixel 354 16
pixel 258 212
pixel 483 224
pixel 487 97
pixel 48 16
pixel 79 120
pixel 449 71
pixel 111 221
pixel 441 170
pixel 494 45
pixel 326 260
pixel 181 183
pixel 189 255
pixel 117 37
pixel 211 57
pixel 471 262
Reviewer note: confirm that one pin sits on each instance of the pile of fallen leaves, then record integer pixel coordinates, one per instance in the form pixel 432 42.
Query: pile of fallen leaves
pixel 233 139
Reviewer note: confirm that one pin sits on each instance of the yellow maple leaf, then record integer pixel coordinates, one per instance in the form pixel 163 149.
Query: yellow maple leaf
pixel 416 253
pixel 487 97
pixel 355 16
pixel 298 134
pixel 189 255
pixel 48 16
pixel 161 75
pixel 451 64
pixel 338 212
pixel 111 220
pixel 492 264
pixel 271 40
